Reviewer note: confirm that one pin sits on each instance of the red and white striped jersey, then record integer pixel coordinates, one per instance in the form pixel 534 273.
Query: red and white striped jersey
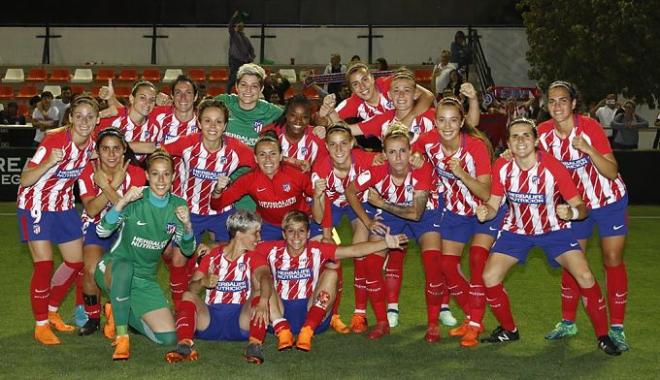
pixel 169 126
pixel 356 107
pixel 309 148
pixel 54 189
pixel 135 176
pixel 377 125
pixel 379 178
pixel 475 160
pixel 146 132
pixel 596 189
pixel 336 186
pixel 200 168
pixel 233 286
pixel 295 277
pixel 533 194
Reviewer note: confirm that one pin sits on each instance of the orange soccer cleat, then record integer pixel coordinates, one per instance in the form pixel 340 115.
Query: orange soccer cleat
pixel 471 337
pixel 359 323
pixel 381 329
pixel 122 348
pixel 184 352
pixel 338 325
pixel 44 335
pixel 56 321
pixel 304 342
pixel 109 327
pixel 284 340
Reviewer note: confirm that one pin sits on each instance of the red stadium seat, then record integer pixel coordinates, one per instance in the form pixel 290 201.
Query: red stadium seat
pixel 310 93
pixel 166 90
pixel 122 92
pixel 219 75
pixel 6 92
pixel 95 90
pixel 37 75
pixel 290 93
pixel 23 109
pixel 215 90
pixel 105 74
pixel 423 75
pixel 130 75
pixel 77 89
pixel 60 75
pixel 152 75
pixel 197 75
pixel 27 92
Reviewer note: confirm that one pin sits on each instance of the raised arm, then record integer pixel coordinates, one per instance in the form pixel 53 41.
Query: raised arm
pixel 413 212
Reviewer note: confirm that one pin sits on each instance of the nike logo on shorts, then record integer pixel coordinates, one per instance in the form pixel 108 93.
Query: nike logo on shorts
pixel 616 228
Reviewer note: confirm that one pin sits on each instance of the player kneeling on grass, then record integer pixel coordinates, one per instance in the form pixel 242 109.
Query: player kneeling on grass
pixel 238 285
pixel 305 286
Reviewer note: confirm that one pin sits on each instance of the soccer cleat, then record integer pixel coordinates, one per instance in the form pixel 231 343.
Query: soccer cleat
pixel 79 316
pixel 184 352
pixel 44 335
pixel 359 323
pixel 393 317
pixel 254 353
pixel 91 326
pixel 56 321
pixel 606 344
pixel 432 334
pixel 381 329
pixel 284 340
pixel 338 325
pixel 109 327
pixel 619 338
pixel 463 329
pixel 122 348
pixel 304 341
pixel 562 329
pixel 447 318
pixel 471 337
pixel 500 335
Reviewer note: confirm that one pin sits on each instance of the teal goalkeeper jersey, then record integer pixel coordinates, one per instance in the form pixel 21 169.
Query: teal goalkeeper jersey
pixel 144 232
pixel 246 125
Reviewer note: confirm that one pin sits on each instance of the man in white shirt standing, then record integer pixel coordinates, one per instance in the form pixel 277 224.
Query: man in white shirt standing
pixel 440 76
pixel 607 109
pixel 62 103
pixel 44 116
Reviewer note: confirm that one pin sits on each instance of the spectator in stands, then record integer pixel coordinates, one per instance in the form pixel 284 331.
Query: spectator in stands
pixel 44 116
pixel 627 125
pixel 656 140
pixel 460 52
pixel 32 103
pixel 441 71
pixel 605 111
pixel 275 85
pixel 240 48
pixel 381 64
pixel 355 58
pixel 455 82
pixel 201 92
pixel 10 115
pixel 335 66
pixel 63 102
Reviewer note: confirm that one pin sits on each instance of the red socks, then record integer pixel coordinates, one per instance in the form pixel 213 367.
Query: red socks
pixel 280 325
pixel 257 330
pixel 360 285
pixel 456 283
pixel 434 288
pixel 317 311
pixel 186 320
pixel 79 289
pixel 617 292
pixel 40 289
pixel 394 274
pixel 178 282
pixel 376 285
pixel 570 296
pixel 594 304
pixel 478 257
pixel 498 301
pixel 62 279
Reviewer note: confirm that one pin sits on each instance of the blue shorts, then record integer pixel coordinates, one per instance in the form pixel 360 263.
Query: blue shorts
pixel 461 228
pixel 612 220
pixel 430 222
pixel 217 224
pixel 295 312
pixel 554 244
pixel 224 324
pixel 270 232
pixel 493 226
pixel 338 213
pixel 55 226
pixel 90 237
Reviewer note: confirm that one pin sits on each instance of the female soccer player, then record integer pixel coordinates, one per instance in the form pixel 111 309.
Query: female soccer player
pixel 461 157
pixel 148 218
pixel 305 286
pixel 102 183
pixel 581 145
pixel 534 184
pixel 276 189
pixel 409 200
pixel 46 214
pixel 238 286
pixel 208 158
pixel 178 119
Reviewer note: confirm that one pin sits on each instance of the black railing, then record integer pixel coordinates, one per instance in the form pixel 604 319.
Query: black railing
pixel 479 60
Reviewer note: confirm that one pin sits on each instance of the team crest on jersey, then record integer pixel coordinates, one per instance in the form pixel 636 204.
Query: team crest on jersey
pixel 286 187
pixel 242 267
pixel 535 179
pixel 416 129
pixel 36 229
pixel 171 228
pixel 303 151
pixel 390 105
pixel 258 125
pixel 409 188
pixel 223 160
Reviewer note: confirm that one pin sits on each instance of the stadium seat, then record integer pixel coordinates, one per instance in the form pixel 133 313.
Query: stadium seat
pixel 95 90
pixel 82 76
pixel 6 92
pixel 289 74
pixel 60 75
pixel 130 75
pixel 77 89
pixel 166 90
pixel 215 90
pixel 122 92
pixel 14 76
pixel 105 74
pixel 423 75
pixel 27 91
pixel 54 89
pixel 37 75
pixel 171 75
pixel 310 93
pixel 197 75
pixel 218 75
pixel 290 93
pixel 23 109
pixel 152 75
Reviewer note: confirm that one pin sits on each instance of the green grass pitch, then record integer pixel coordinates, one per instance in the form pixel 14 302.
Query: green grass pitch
pixel 534 290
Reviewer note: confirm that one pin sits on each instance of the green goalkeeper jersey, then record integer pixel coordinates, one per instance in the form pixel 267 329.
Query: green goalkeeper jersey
pixel 145 228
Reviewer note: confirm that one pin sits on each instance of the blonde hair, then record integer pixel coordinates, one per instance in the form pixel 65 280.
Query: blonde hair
pixel 397 130
pixel 159 154
pixel 251 69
